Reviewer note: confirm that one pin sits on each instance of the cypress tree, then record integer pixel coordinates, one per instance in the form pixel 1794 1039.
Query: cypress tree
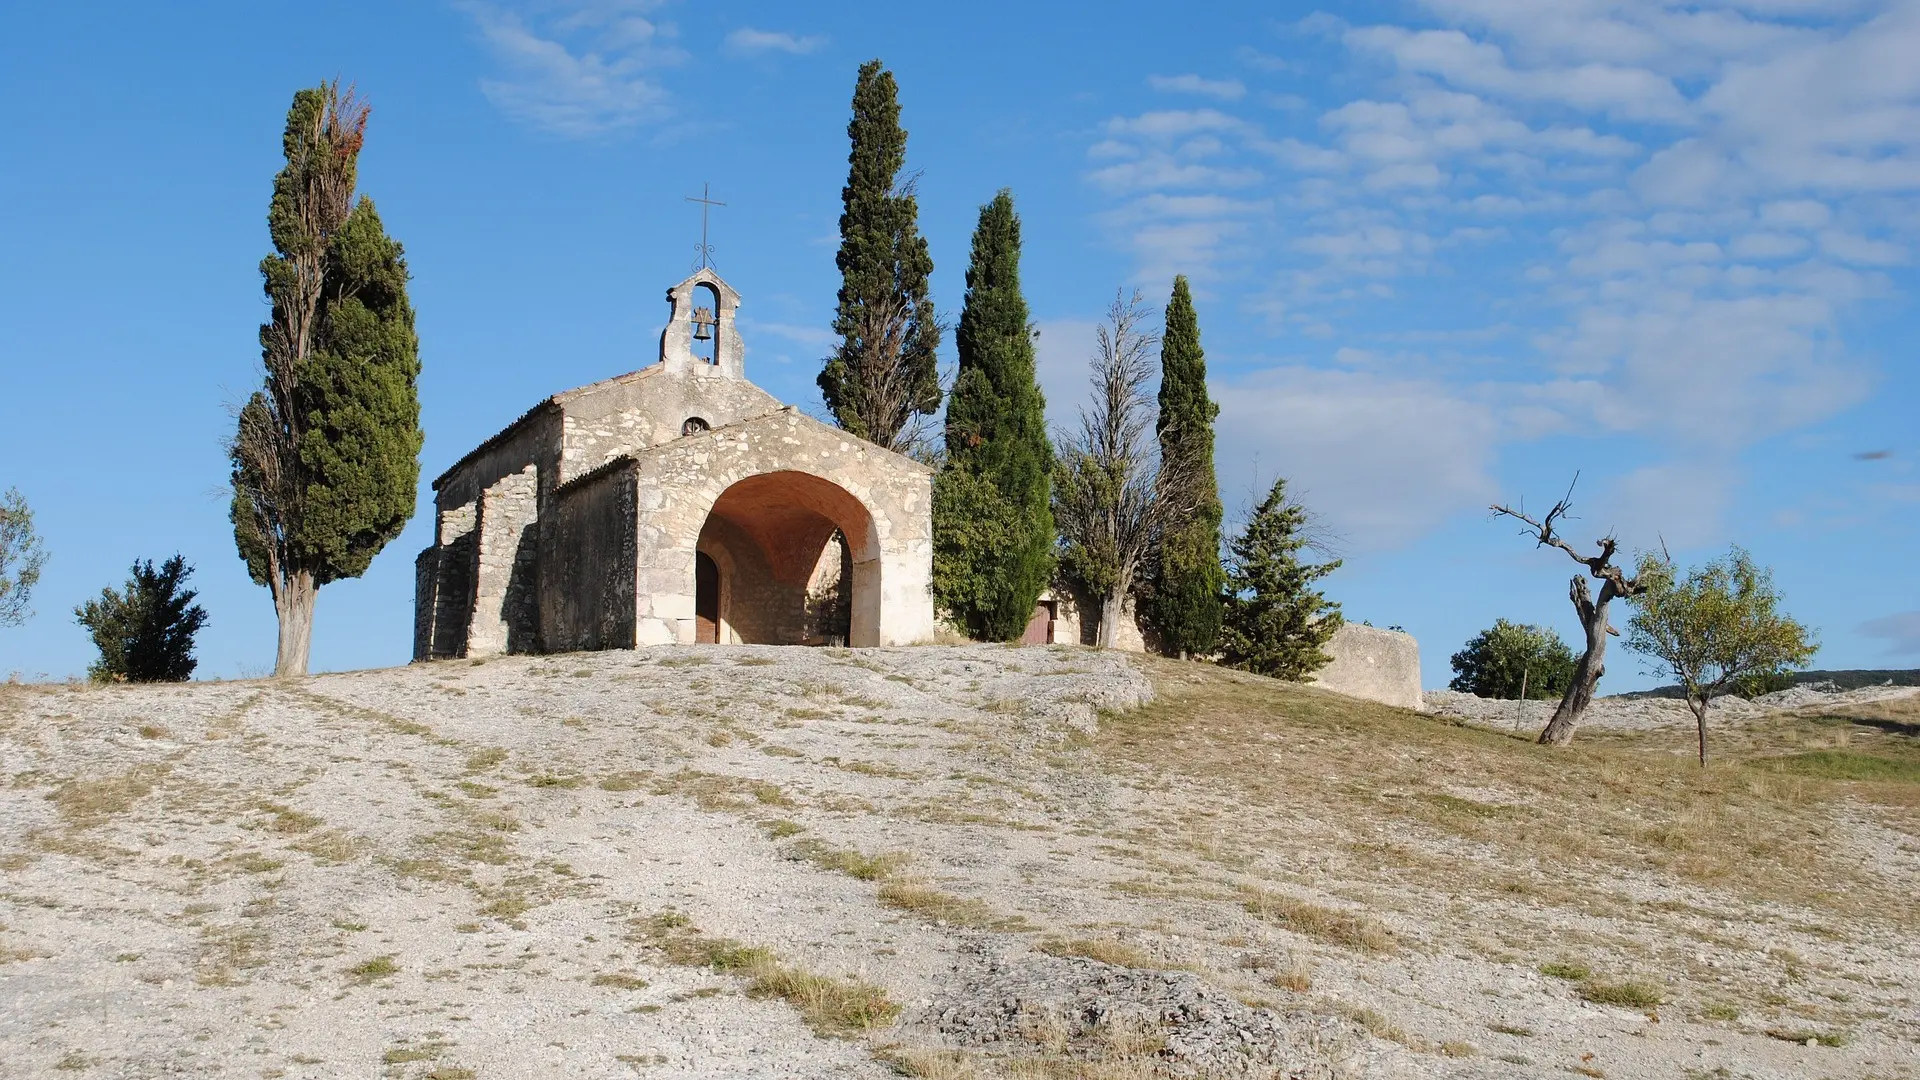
pixel 993 518
pixel 1275 620
pixel 883 372
pixel 326 461
pixel 1186 594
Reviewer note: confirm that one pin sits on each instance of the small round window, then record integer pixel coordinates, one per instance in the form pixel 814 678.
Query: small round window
pixel 694 426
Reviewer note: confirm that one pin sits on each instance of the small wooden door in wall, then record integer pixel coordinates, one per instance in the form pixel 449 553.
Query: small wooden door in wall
pixel 706 599
pixel 1040 628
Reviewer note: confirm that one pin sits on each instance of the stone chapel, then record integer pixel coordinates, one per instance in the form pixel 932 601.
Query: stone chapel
pixel 676 503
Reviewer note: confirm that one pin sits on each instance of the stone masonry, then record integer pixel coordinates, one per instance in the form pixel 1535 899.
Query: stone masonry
pixel 673 502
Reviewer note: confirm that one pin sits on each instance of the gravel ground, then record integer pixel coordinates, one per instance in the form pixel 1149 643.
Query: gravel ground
pixel 441 870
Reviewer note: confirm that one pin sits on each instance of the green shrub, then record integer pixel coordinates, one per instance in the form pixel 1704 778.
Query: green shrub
pixel 145 634
pixel 1508 658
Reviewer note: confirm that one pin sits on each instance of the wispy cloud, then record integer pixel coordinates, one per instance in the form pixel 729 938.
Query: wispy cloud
pixel 1659 201
pixel 577 70
pixel 1224 89
pixel 1901 632
pixel 747 41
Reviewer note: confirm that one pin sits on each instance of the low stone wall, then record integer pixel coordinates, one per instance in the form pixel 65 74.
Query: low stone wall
pixel 1378 665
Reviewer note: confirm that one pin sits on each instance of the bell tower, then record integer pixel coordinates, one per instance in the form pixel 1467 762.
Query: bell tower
pixel 701 338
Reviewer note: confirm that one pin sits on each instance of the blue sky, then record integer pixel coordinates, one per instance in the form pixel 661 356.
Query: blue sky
pixel 1445 253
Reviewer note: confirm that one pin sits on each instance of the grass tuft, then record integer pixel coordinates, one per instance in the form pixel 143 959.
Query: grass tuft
pixel 367 971
pixel 1631 994
pixel 830 1006
pixel 1105 950
pixel 1568 970
pixel 852 863
pixel 943 907
pixel 1362 932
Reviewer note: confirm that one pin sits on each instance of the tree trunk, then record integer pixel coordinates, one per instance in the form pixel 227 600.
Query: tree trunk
pixel 1587 670
pixel 1110 606
pixel 293 602
pixel 1699 708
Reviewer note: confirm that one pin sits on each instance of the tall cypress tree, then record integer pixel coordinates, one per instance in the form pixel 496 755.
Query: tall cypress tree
pixel 326 462
pixel 883 372
pixel 992 512
pixel 1186 600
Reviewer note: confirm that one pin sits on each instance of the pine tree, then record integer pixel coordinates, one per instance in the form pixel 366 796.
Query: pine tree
pixel 993 519
pixel 883 373
pixel 1275 621
pixel 145 634
pixel 1186 594
pixel 326 461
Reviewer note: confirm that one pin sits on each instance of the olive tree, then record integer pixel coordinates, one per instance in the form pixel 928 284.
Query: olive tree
pixel 1592 609
pixel 1715 626
pixel 21 557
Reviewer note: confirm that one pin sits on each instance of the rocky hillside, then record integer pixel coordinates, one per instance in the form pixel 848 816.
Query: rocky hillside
pixel 942 862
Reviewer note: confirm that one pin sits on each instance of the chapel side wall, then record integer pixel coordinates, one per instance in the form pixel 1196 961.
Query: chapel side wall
pixel 449 606
pixel 448 599
pixel 504 616
pixel 637 414
pixel 534 441
pixel 587 564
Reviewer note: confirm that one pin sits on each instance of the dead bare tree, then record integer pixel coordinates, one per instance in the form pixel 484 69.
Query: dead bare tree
pixel 1614 583
pixel 1107 483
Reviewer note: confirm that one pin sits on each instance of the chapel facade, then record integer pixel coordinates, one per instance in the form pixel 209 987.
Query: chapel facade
pixel 676 503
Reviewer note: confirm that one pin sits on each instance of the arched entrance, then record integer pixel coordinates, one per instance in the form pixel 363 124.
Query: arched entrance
pixel 795 560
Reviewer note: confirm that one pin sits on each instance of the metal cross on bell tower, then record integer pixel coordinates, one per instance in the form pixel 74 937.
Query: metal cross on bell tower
pixel 707 202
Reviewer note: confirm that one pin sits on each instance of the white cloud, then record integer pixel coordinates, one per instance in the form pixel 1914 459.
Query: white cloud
pixel 1224 89
pixel 1682 503
pixel 818 338
pixel 747 41
pixel 1382 459
pixel 1854 248
pixel 1900 631
pixel 584 71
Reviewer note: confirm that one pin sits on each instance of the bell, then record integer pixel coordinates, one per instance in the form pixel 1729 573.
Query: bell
pixel 702 324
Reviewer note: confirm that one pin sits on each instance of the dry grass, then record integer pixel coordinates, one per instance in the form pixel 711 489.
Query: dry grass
pixel 712 791
pixel 1629 993
pixel 368 971
pixel 854 864
pixel 1759 822
pixel 1353 931
pixel 84 803
pixel 944 907
pixel 1105 950
pixel 830 1006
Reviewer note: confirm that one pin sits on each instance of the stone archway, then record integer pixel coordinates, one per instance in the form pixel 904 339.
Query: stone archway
pixel 797 560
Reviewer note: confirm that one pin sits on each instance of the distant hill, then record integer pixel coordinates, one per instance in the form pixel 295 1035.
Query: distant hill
pixel 1851 679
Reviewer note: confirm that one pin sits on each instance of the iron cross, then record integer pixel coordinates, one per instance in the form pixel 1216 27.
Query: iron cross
pixel 705 250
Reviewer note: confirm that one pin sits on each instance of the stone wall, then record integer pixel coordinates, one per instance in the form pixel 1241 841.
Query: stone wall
pixel 443 586
pixel 504 614
pixel 1077 621
pixel 1378 665
pixel 587 563
pixel 637 412
pixel 880 501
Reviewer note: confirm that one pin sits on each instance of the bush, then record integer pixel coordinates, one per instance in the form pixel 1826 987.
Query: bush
pixel 1506 657
pixel 146 633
